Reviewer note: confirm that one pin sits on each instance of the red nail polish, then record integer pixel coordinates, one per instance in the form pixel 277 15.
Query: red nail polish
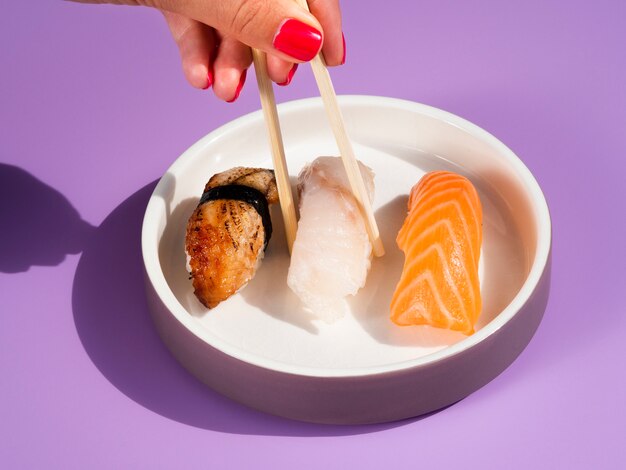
pixel 298 40
pixel 210 77
pixel 343 59
pixel 242 80
pixel 289 76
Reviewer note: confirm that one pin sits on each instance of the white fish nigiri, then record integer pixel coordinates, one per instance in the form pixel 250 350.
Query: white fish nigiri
pixel 332 252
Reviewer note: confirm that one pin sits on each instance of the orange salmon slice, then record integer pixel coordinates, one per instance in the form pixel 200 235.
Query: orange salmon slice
pixel 441 239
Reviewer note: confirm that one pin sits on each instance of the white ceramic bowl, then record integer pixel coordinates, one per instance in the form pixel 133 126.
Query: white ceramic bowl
pixel 262 349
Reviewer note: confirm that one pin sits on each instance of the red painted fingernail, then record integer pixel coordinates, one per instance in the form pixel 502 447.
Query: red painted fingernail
pixel 343 59
pixel 289 76
pixel 298 40
pixel 210 78
pixel 242 80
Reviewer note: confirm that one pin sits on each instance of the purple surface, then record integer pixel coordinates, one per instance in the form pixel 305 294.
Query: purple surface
pixel 94 108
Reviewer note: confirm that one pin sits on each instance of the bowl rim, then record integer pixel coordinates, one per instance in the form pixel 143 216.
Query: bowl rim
pixel 155 276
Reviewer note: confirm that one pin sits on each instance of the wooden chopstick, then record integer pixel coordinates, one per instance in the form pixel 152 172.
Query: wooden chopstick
pixel 268 103
pixel 329 98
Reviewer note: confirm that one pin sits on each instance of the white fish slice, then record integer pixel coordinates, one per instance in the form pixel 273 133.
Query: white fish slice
pixel 332 251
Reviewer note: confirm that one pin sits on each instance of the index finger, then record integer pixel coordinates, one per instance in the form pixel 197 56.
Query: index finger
pixel 328 14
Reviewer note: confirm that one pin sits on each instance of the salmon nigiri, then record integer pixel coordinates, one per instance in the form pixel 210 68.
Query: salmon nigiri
pixel 441 239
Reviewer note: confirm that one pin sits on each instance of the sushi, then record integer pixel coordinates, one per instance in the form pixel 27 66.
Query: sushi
pixel 228 232
pixel 331 253
pixel 441 238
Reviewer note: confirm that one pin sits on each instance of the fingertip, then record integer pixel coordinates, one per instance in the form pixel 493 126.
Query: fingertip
pixel 334 55
pixel 242 80
pixel 230 68
pixel 280 71
pixel 228 84
pixel 290 75
pixel 198 75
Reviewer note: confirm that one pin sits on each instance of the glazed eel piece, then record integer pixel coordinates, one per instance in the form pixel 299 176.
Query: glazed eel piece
pixel 228 232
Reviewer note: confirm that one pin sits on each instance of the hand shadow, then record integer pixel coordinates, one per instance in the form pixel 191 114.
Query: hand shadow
pixel 39 225
pixel 116 330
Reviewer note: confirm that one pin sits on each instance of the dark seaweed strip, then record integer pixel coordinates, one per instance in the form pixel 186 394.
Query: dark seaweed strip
pixel 246 194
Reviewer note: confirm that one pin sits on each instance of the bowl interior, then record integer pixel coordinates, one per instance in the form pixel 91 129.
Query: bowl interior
pixel 265 323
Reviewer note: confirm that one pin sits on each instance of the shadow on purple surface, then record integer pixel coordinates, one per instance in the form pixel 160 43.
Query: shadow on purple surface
pixel 116 330
pixel 39 225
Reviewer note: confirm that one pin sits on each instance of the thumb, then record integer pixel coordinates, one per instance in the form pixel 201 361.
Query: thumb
pixel 278 27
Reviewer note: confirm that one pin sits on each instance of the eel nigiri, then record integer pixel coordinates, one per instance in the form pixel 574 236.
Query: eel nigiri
pixel 228 232
pixel 331 253
pixel 441 239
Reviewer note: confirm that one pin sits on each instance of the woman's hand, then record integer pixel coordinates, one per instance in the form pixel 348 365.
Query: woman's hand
pixel 214 37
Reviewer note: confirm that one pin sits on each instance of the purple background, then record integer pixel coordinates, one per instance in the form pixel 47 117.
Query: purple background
pixel 94 108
